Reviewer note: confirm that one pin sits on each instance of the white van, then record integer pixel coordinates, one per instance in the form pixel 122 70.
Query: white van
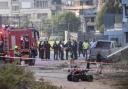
pixel 105 47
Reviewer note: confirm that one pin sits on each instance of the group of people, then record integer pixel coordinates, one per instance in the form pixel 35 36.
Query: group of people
pixel 70 49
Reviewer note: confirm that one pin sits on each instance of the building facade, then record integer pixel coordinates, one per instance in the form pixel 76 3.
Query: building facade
pixel 33 10
pixel 125 20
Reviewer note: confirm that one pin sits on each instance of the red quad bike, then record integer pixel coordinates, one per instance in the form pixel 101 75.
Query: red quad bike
pixel 77 75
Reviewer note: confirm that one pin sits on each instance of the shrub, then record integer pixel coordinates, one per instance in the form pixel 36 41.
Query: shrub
pixel 15 77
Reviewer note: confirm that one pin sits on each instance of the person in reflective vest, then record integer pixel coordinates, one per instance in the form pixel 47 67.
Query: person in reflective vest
pixel 85 48
pixel 17 54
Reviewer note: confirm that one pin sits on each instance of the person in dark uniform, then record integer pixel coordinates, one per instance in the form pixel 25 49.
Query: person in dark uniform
pixel 80 48
pixel 55 47
pixel 47 50
pixel 74 49
pixel 43 48
pixel 40 44
pixel 61 50
pixel 68 49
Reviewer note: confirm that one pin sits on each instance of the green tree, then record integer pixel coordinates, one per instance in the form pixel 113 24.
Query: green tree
pixel 109 6
pixel 99 18
pixel 66 21
pixel 113 6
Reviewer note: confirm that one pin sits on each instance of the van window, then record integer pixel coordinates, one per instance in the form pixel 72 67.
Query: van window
pixel 104 45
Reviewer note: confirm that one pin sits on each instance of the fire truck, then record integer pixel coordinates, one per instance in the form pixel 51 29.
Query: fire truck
pixel 23 38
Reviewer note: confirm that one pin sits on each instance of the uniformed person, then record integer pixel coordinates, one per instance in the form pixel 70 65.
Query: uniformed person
pixel 68 49
pixel 85 48
pixel 61 50
pixel 55 47
pixel 47 50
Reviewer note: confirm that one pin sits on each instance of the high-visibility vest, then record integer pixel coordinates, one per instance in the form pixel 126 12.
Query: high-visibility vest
pixel 85 45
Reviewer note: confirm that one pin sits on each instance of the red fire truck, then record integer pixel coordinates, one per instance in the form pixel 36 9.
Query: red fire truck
pixel 23 38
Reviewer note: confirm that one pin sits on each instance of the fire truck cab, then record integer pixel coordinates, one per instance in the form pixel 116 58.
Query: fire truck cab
pixel 23 38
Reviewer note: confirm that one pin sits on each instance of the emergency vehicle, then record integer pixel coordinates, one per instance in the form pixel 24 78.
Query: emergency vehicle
pixel 23 38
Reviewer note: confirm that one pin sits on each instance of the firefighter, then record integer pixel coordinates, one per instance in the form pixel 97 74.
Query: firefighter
pixel 33 52
pixel 55 47
pixel 17 54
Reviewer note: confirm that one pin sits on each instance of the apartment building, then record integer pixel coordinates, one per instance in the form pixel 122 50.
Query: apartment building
pixel 34 10
pixel 86 9
pixel 125 20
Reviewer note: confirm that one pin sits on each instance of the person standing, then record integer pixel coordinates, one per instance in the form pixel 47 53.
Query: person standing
pixel 85 48
pixel 74 49
pixel 99 59
pixel 47 50
pixel 33 52
pixel 68 49
pixel 80 48
pixel 55 47
pixel 61 50
pixel 40 50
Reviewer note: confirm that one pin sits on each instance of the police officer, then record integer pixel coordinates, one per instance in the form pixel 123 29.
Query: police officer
pixel 80 48
pixel 68 48
pixel 47 50
pixel 40 44
pixel 61 50
pixel 55 47
pixel 43 50
pixel 74 50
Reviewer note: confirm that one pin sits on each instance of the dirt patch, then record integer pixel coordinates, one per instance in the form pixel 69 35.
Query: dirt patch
pixel 106 81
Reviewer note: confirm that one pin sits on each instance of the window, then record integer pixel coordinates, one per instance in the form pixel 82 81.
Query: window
pixel 92 19
pixel 40 3
pixel 126 11
pixel 41 15
pixel 15 8
pixel 4 5
pixel 103 45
